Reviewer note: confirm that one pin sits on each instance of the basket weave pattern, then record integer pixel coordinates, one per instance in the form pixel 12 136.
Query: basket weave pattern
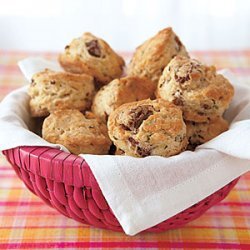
pixel 65 181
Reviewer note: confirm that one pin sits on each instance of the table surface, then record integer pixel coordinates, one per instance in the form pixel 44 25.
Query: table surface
pixel 27 223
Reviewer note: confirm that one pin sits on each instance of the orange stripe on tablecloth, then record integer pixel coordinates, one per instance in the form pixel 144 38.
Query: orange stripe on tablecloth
pixel 231 203
pixel 243 189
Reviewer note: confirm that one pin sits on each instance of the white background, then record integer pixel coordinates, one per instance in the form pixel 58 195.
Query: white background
pixel 51 24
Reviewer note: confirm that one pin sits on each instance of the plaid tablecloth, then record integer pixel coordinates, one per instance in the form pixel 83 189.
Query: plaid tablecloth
pixel 27 223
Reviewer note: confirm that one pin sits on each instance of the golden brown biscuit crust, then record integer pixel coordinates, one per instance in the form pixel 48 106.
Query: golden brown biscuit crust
pixel 119 152
pixel 50 90
pixel 148 127
pixel 92 55
pixel 79 134
pixel 120 91
pixel 199 133
pixel 202 94
pixel 153 55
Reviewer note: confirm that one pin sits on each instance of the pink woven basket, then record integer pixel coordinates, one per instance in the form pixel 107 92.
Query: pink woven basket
pixel 64 181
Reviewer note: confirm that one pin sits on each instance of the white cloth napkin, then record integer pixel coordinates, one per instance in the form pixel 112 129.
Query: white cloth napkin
pixel 144 192
pixel 31 65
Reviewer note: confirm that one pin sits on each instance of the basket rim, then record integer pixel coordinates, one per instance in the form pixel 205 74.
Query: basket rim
pixel 70 166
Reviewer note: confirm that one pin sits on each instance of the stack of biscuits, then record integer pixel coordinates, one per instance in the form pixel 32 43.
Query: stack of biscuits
pixel 165 103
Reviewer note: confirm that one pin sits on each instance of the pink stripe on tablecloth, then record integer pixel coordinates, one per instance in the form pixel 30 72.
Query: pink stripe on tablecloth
pixel 6 90
pixel 225 213
pixel 215 227
pixel 28 213
pixel 241 71
pixel 7 175
pixel 135 244
pixel 26 53
pixel 6 168
pixel 212 53
pixel 9 69
pixel 21 203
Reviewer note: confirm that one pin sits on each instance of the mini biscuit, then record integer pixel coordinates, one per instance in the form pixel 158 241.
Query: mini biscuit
pixel 51 90
pixel 148 127
pixel 79 134
pixel 150 59
pixel 92 55
pixel 202 94
pixel 199 133
pixel 120 91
